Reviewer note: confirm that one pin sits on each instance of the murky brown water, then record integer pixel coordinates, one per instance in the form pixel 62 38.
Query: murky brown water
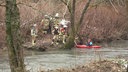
pixel 59 59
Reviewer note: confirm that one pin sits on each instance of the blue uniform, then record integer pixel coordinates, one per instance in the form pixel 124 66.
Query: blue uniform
pixel 89 44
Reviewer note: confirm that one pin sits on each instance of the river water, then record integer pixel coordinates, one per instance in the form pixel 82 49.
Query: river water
pixel 36 61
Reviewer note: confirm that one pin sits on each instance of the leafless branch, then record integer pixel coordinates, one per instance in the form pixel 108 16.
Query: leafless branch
pixel 95 4
pixel 2 3
pixel 68 4
pixel 64 2
pixel 114 7
pixel 29 6
pixel 83 13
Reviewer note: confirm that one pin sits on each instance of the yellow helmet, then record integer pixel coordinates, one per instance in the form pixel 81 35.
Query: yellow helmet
pixel 46 16
pixel 57 15
pixel 35 25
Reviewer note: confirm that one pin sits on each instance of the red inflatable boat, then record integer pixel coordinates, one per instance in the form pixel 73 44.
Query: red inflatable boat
pixel 84 46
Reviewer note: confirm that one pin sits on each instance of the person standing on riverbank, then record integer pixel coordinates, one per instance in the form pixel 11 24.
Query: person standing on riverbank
pixel 45 24
pixel 56 20
pixel 55 33
pixel 34 31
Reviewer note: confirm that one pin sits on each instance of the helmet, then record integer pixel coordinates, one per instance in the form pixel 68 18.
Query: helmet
pixel 57 15
pixel 56 27
pixel 35 25
pixel 46 16
pixel 65 26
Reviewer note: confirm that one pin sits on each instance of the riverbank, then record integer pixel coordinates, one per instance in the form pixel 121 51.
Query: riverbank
pixel 96 66
pixel 45 45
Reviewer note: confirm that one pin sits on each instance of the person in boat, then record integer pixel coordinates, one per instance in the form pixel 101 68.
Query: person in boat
pixel 89 42
pixel 78 41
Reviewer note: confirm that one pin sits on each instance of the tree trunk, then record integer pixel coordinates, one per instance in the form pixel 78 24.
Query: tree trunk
pixel 75 26
pixel 125 37
pixel 15 51
pixel 70 43
pixel 127 6
pixel 83 15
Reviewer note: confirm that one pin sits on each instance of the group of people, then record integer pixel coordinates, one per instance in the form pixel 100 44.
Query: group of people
pixel 57 27
pixel 54 25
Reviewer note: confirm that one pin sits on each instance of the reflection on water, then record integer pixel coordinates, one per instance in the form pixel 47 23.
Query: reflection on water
pixel 66 59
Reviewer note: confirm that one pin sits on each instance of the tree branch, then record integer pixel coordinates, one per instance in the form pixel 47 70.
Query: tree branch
pixel 73 16
pixel 114 7
pixel 64 2
pixel 2 4
pixel 83 13
pixel 97 3
pixel 29 6
pixel 68 4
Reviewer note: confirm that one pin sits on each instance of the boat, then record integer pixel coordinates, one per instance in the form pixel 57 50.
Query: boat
pixel 85 46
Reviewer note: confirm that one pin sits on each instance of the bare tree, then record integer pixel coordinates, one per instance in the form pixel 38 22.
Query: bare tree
pixel 15 50
pixel 74 26
pixel 2 3
pixel 127 5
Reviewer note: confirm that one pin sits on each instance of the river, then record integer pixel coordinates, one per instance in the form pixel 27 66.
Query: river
pixel 35 61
